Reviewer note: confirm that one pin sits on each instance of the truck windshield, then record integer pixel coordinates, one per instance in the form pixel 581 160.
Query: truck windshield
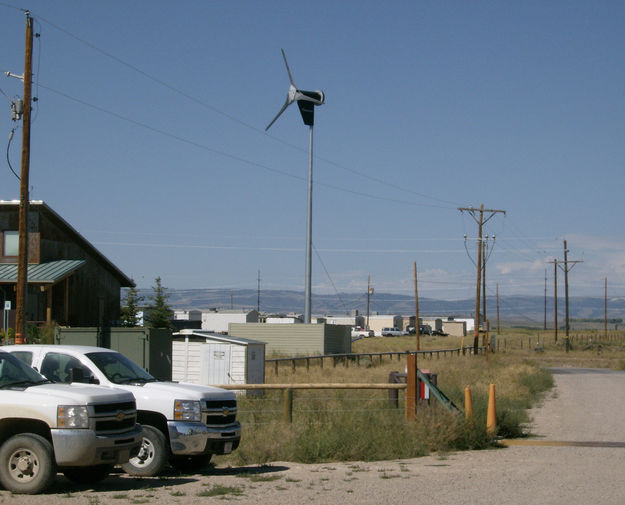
pixel 118 368
pixel 14 373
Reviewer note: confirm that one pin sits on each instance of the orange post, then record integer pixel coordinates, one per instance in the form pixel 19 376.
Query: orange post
pixel 468 404
pixel 491 416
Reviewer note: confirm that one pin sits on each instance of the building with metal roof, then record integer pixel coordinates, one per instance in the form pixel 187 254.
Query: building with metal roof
pixel 70 282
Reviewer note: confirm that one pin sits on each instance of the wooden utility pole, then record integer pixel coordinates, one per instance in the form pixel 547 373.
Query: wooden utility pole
pixel 369 291
pixel 484 285
pixel 22 258
pixel 258 295
pixel 605 310
pixel 497 308
pixel 545 322
pixel 566 291
pixel 564 266
pixel 555 301
pixel 416 307
pixel 481 221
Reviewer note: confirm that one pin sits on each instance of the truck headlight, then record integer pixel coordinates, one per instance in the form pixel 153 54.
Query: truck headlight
pixel 72 416
pixel 187 410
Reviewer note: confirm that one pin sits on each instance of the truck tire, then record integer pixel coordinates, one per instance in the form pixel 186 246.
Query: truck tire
pixel 190 463
pixel 153 455
pixel 27 464
pixel 87 474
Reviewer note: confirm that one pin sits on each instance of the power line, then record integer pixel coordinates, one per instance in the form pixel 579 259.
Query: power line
pixel 329 277
pixel 235 119
pixel 229 155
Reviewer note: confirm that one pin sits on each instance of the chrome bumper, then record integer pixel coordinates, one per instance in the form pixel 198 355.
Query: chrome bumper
pixel 196 438
pixel 85 448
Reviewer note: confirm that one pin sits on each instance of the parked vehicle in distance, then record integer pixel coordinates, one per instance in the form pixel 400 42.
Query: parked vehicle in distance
pixel 82 430
pixel 358 331
pixel 440 333
pixel 183 424
pixel 391 332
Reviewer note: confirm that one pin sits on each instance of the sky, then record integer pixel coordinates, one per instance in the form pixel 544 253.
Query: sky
pixel 149 138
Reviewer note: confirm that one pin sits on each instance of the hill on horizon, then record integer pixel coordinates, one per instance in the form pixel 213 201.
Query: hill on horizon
pixel 520 309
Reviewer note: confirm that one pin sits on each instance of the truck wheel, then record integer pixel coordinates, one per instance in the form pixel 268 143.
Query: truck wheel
pixel 190 463
pixel 152 456
pixel 27 464
pixel 87 474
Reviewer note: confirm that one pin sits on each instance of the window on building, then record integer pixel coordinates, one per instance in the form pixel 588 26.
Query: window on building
pixel 10 243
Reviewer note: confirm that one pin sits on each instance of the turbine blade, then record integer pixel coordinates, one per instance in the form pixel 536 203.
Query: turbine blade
pixel 286 104
pixel 287 68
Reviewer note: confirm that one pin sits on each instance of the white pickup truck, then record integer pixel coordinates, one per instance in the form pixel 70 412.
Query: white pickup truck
pixel 82 430
pixel 183 424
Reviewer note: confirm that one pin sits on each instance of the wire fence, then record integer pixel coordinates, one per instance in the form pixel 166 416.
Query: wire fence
pixel 356 359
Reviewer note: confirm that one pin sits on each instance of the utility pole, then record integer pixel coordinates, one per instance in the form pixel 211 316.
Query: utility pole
pixel 565 268
pixel 497 308
pixel 605 310
pixel 545 322
pixel 555 300
pixel 22 259
pixel 258 295
pixel 481 221
pixel 566 291
pixel 416 307
pixel 484 284
pixel 369 293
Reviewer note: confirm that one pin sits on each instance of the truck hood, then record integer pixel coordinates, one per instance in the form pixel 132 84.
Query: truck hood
pixel 180 391
pixel 80 394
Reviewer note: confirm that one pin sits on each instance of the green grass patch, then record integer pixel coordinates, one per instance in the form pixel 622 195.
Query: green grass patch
pixel 218 490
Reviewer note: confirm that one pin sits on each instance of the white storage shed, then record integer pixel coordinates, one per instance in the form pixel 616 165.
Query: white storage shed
pixel 201 357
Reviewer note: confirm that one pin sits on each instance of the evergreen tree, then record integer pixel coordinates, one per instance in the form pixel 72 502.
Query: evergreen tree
pixel 158 314
pixel 129 311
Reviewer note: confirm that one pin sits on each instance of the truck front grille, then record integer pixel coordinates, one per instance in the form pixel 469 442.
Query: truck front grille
pixel 112 418
pixel 114 426
pixel 219 412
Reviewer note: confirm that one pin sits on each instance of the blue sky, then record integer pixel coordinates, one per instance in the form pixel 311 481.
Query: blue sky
pixel 148 138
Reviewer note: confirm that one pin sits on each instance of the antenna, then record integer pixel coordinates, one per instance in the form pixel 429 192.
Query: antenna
pixel 306 101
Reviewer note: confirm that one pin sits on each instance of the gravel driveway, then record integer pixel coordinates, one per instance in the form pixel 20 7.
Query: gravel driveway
pixel 586 406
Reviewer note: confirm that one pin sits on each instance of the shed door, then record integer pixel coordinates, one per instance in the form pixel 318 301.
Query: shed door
pixel 215 366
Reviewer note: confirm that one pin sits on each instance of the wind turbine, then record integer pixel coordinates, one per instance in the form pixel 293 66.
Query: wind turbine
pixel 306 101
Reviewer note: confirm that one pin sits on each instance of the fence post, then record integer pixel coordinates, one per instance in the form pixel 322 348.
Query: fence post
pixel 288 405
pixel 411 390
pixel 276 369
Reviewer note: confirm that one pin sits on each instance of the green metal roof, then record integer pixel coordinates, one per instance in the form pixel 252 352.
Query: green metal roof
pixel 42 273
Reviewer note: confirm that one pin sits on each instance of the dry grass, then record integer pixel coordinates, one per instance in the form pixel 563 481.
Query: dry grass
pixel 362 425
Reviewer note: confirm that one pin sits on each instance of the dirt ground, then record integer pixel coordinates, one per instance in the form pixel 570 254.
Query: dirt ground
pixel 586 406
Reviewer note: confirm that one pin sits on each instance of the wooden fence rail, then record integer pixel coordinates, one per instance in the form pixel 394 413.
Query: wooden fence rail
pixel 289 388
pixel 356 357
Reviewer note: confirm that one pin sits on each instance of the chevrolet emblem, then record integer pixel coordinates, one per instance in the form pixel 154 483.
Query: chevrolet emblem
pixel 225 411
pixel 120 416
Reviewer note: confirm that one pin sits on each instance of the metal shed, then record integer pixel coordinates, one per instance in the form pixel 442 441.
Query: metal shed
pixel 202 357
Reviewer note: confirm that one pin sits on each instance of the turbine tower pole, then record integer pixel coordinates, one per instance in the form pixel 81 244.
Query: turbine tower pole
pixel 307 287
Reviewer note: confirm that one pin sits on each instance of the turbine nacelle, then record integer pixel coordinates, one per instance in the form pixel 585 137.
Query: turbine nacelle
pixel 306 100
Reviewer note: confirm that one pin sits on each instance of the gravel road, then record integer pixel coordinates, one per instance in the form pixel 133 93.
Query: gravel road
pixel 586 406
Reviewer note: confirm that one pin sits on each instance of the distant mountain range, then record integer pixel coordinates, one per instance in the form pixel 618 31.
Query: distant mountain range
pixel 522 310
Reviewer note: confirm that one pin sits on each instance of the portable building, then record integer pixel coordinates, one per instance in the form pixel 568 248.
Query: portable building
pixel 218 321
pixel 150 348
pixel 202 357
pixel 297 339
pixel 377 322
